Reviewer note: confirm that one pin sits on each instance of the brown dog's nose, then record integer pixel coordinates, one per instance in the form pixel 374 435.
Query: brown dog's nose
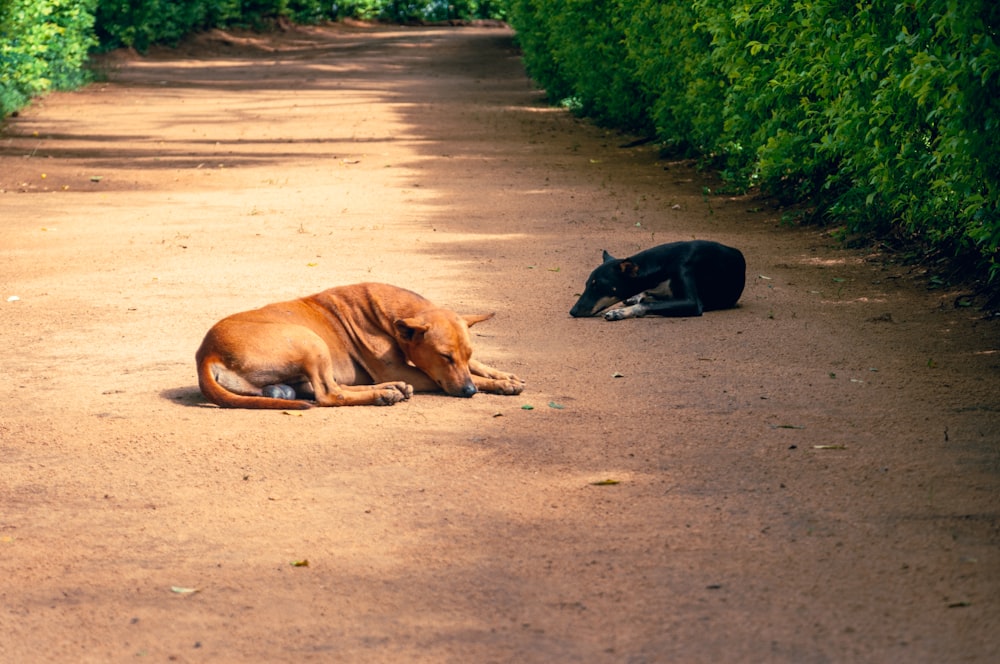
pixel 467 390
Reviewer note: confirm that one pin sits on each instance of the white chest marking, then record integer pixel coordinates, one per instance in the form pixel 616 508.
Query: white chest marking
pixel 661 292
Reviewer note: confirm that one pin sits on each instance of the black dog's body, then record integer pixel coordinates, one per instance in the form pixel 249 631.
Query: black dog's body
pixel 675 279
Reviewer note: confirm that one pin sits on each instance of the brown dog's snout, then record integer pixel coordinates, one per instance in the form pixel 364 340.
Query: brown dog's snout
pixel 467 390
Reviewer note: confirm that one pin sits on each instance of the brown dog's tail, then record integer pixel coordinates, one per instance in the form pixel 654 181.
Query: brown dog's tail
pixel 220 396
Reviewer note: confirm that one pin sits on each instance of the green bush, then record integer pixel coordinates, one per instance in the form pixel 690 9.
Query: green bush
pixel 881 117
pixel 668 51
pixel 43 46
pixel 401 11
pixel 138 24
pixel 141 23
pixel 535 39
pixel 575 50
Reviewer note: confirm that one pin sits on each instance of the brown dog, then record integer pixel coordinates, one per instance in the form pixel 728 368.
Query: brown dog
pixel 365 344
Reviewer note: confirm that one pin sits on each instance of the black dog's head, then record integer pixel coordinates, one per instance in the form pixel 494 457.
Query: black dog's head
pixel 614 280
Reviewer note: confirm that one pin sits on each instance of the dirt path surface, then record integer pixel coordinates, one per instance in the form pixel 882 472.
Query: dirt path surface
pixel 812 477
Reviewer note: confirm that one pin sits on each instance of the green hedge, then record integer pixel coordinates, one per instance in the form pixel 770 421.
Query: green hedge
pixel 43 47
pixel 140 23
pixel 882 117
pixel 403 11
pixel 575 49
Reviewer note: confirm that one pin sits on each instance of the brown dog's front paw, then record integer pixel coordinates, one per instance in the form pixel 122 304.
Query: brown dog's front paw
pixel 510 385
pixel 387 394
pixel 387 397
pixel 514 387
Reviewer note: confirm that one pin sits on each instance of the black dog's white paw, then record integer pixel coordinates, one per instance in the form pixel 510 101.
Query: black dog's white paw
pixel 615 314
pixel 279 391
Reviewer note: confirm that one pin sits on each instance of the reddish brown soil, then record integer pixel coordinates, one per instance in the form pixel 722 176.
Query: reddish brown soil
pixel 812 477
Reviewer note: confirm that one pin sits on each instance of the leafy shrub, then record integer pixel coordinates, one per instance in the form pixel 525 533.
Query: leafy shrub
pixel 576 50
pixel 536 39
pixel 668 50
pixel 141 23
pixel 43 46
pixel 401 11
pixel 884 117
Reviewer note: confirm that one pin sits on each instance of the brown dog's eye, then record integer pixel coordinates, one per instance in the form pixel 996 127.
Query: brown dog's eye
pixel 447 357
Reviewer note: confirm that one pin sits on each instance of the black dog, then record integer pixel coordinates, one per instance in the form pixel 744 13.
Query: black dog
pixel 675 279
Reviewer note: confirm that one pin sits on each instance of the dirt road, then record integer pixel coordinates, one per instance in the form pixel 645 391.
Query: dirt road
pixel 812 477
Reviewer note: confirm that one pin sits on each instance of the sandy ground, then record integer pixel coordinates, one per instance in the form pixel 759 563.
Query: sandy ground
pixel 812 477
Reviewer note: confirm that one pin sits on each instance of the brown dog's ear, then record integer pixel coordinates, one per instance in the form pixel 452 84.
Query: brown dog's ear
pixel 472 319
pixel 628 268
pixel 410 327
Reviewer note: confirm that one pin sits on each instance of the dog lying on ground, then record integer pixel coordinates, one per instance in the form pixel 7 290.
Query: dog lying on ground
pixel 365 344
pixel 675 279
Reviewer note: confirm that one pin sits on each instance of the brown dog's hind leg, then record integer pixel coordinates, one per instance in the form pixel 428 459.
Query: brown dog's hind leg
pixel 384 394
pixel 328 392
pixel 363 395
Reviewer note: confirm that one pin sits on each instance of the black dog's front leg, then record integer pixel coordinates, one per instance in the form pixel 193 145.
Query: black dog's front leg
pixel 673 298
pixel 668 308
